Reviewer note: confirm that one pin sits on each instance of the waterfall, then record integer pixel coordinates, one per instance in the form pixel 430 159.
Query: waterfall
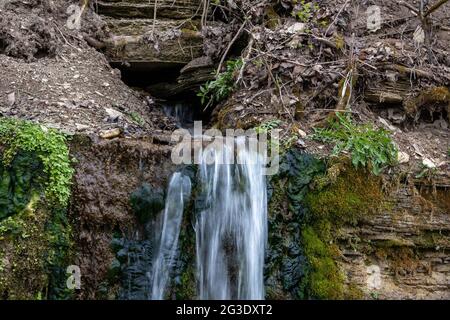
pixel 231 227
pixel 178 192
pixel 182 113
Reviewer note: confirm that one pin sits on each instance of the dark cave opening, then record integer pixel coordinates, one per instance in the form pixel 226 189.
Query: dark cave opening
pixel 145 74
pixel 160 81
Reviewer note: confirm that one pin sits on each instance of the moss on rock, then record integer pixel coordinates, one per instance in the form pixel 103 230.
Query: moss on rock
pixel 35 235
pixel 345 194
pixel 342 196
pixel 310 202
pixel 324 280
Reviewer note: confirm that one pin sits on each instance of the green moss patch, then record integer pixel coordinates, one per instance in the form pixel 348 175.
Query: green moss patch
pixel 324 280
pixel 345 194
pixel 17 182
pixel 35 235
pixel 342 196
pixel 48 145
pixel 310 201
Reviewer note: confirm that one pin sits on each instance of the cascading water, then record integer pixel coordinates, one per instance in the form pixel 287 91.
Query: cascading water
pixel 231 228
pixel 178 193
pixel 230 232
pixel 182 113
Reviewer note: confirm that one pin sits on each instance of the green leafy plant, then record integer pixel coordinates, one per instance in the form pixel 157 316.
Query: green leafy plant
pixel 284 143
pixel 221 87
pixel 50 147
pixel 368 146
pixel 137 118
pixel 426 172
pixel 303 11
pixel 374 295
pixel 268 126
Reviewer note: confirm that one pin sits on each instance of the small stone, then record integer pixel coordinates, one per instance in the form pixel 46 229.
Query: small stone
pixel 81 127
pixel 110 134
pixel 301 143
pixel 387 124
pixel 402 157
pixel 113 115
pixel 301 133
pixel 296 27
pixel 11 99
pixel 428 163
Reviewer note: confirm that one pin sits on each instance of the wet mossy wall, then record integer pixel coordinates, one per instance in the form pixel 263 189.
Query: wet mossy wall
pixel 35 235
pixel 134 250
pixel 286 261
pixel 310 201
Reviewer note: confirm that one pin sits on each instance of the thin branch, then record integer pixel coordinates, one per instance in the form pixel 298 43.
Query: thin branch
pixel 205 12
pixel 245 60
pixel 229 46
pixel 154 18
pixel 335 18
pixel 434 7
pixel 409 6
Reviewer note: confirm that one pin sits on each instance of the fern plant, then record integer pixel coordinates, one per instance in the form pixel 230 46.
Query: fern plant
pixel 368 146
pixel 282 145
pixel 221 87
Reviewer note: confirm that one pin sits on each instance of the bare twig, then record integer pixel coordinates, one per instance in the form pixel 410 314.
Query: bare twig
pixel 236 36
pixel 205 12
pixel 324 109
pixel 245 59
pixel 335 18
pixel 434 7
pixel 409 6
pixel 64 38
pixel 154 17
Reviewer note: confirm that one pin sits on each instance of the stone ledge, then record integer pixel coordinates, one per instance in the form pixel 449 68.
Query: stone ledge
pixel 172 9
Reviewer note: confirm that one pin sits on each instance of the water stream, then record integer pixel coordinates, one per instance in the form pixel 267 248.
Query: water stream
pixel 178 193
pixel 231 230
pixel 230 225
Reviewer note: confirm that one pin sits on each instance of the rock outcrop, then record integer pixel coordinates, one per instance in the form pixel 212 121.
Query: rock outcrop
pixel 151 34
pixel 107 172
pixel 402 252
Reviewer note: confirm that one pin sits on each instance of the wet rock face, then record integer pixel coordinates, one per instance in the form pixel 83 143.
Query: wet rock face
pixel 347 238
pixel 147 202
pixel 34 238
pixel 107 172
pixel 17 183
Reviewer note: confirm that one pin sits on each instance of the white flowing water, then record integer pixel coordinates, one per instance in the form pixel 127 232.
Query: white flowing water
pixel 231 230
pixel 178 192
